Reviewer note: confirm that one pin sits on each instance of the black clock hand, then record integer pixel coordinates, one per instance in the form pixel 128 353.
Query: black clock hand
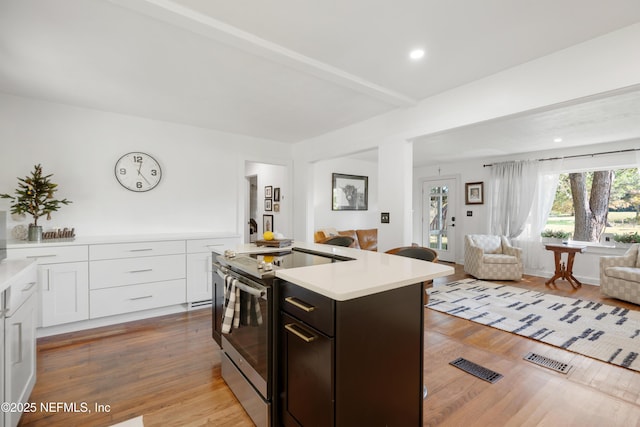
pixel 144 177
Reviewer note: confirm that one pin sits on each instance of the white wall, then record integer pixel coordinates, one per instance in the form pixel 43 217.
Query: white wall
pixel 276 176
pixel 586 266
pixel 324 217
pixel 203 170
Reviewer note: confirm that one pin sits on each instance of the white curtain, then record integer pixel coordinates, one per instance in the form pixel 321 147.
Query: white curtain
pixel 513 186
pixel 533 252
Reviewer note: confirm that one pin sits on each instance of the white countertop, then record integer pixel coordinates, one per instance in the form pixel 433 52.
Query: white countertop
pixel 94 240
pixel 369 273
pixel 10 268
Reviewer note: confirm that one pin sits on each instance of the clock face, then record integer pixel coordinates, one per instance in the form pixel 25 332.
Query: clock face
pixel 138 172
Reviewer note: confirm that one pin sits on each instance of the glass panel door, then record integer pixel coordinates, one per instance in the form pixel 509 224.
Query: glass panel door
pixel 438 217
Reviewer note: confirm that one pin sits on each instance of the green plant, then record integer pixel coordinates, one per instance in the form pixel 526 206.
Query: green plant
pixel 557 234
pixel 627 237
pixel 34 196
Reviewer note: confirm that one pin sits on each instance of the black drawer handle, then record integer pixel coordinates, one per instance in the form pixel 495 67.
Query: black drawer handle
pixel 299 304
pixel 291 327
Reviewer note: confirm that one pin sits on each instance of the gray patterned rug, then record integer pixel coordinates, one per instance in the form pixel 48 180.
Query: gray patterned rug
pixel 604 332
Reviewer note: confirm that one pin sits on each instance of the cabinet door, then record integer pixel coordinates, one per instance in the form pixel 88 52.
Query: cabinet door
pixel 64 293
pixel 308 375
pixel 199 277
pixel 20 356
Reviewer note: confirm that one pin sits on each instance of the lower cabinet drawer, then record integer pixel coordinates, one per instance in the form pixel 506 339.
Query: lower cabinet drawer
pixel 125 299
pixel 51 254
pixel 118 272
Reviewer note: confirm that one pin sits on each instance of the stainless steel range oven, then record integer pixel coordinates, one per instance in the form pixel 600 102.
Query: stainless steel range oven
pixel 244 309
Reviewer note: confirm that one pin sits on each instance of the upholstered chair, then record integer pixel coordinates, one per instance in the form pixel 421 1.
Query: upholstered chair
pixel 620 275
pixel 492 257
pixel 368 239
pixel 345 241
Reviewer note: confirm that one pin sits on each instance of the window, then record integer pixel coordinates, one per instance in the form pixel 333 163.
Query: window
pixel 621 214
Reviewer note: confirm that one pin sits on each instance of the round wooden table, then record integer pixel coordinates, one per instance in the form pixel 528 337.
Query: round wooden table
pixel 564 271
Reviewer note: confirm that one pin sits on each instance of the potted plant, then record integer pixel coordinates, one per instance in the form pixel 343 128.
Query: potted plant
pixel 626 239
pixel 34 196
pixel 554 235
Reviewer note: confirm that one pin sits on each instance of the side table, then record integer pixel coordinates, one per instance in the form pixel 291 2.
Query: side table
pixel 564 271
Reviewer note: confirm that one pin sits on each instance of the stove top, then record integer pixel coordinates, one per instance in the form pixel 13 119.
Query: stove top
pixel 264 265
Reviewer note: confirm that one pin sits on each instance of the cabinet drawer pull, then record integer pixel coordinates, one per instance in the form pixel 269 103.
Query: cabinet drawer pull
pixel 141 250
pixel 141 271
pixel 29 286
pixel 291 328
pixel 144 297
pixel 217 244
pixel 42 256
pixel 302 306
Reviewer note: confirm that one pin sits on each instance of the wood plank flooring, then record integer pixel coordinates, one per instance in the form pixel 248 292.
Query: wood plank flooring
pixel 168 370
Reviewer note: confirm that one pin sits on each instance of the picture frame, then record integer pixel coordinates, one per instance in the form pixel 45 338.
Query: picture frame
pixel 276 207
pixel 267 223
pixel 267 204
pixel 474 193
pixel 349 192
pixel 267 191
pixel 276 194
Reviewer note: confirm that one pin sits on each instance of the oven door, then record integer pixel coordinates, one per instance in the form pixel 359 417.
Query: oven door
pixel 246 338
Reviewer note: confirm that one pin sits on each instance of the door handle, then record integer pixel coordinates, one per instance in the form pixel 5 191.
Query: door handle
pixel 299 304
pixel 300 334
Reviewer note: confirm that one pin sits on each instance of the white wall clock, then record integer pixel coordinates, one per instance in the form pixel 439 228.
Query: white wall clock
pixel 138 172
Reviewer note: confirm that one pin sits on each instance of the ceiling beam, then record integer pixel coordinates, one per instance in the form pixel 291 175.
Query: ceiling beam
pixel 188 19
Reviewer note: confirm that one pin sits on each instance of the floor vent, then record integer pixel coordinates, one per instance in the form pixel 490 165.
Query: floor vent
pixel 476 370
pixel 548 363
pixel 199 304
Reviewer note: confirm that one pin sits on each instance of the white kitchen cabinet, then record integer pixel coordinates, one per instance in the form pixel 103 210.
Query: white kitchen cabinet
pixel 63 274
pixel 93 282
pixel 143 296
pixel 20 341
pixel 64 293
pixel 130 277
pixel 199 258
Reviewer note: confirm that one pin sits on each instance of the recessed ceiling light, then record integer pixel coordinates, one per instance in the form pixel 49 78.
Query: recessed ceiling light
pixel 416 54
pixel 557 139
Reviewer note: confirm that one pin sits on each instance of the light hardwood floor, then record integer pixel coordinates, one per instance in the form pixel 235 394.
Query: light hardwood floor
pixel 168 370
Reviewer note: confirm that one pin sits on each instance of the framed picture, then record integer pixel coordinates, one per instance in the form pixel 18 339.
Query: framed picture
pixel 267 223
pixel 267 204
pixel 474 193
pixel 276 207
pixel 349 192
pixel 267 191
pixel 276 194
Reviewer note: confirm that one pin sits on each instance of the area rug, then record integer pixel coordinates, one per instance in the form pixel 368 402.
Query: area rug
pixel 604 332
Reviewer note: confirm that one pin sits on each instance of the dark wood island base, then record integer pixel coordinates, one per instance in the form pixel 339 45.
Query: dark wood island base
pixel 355 362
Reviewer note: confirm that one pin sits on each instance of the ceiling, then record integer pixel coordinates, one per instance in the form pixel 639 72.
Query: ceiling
pixel 289 70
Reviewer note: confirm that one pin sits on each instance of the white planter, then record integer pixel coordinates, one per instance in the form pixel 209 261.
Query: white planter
pixel 548 240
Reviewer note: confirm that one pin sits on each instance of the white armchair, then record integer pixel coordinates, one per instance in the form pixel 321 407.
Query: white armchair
pixel 492 257
pixel 620 275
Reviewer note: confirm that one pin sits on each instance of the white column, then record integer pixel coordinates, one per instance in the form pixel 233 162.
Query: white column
pixel 395 172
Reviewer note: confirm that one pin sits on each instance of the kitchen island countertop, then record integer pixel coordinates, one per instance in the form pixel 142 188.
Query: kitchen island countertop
pixel 369 272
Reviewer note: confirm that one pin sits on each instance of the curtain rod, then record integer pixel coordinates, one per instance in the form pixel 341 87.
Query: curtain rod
pixel 581 155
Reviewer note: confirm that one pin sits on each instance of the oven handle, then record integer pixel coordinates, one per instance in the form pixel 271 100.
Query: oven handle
pixel 250 289
pixel 244 284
